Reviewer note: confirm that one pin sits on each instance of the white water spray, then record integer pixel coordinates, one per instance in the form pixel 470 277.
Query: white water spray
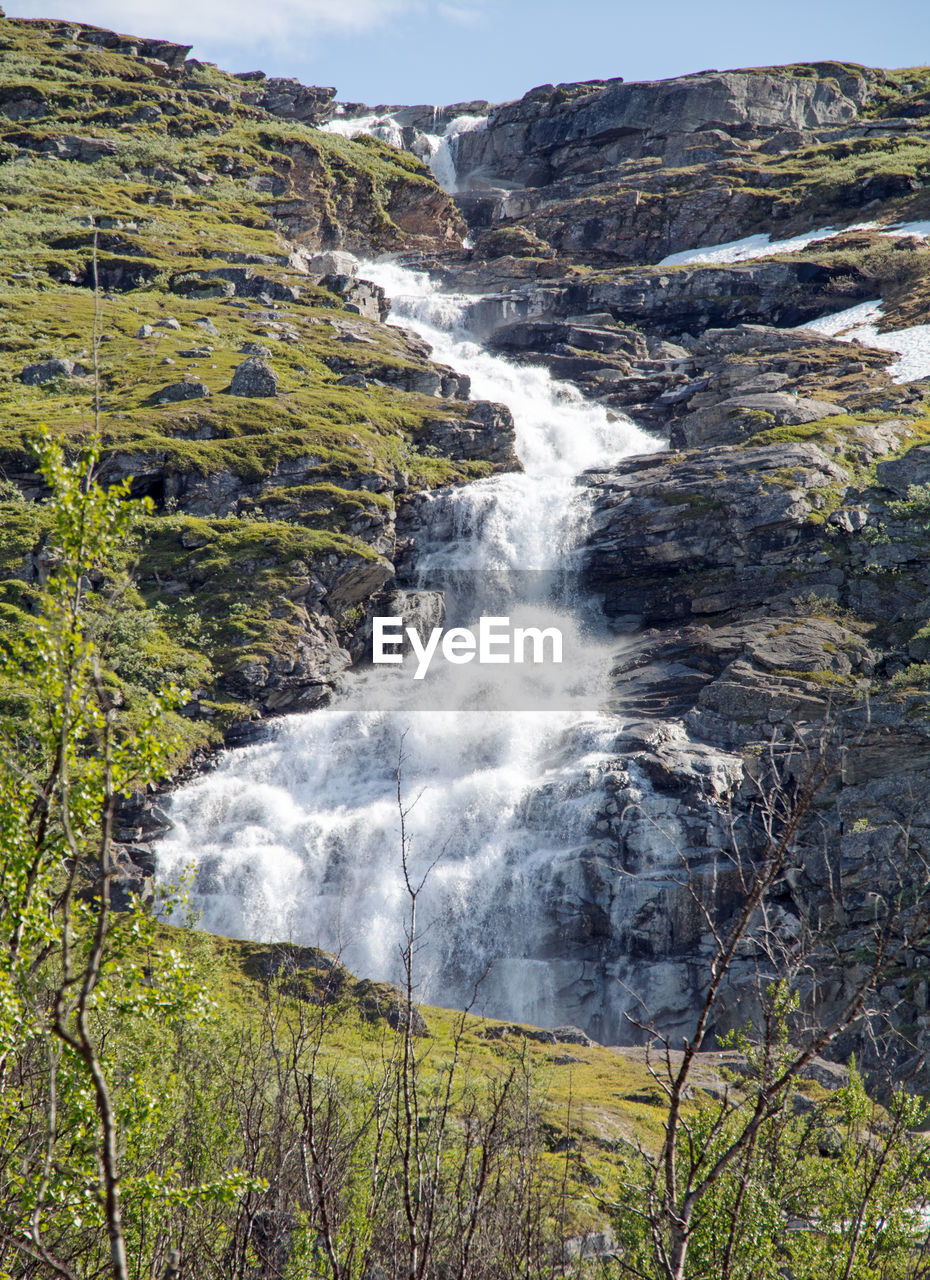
pixel 297 838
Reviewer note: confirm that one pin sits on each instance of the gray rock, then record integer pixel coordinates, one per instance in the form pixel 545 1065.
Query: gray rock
pixel 487 434
pixel 515 1030
pixel 164 51
pixel 291 100
pixel 189 389
pixel 145 331
pixel 247 284
pixel 254 378
pixel 707 533
pixel 691 299
pixel 197 285
pixel 335 263
pixel 208 326
pixel 255 349
pixel 547 134
pixel 359 296
pixel 83 150
pixel 590 1245
pixel 51 371
pixel 169 322
pixel 572 1035
pixel 422 610
pixel 898 474
pixel 399 1015
pixel 831 1075
pixel 732 420
pixel 22 103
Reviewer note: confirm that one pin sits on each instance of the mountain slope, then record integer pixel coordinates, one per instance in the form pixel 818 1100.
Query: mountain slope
pixel 198 212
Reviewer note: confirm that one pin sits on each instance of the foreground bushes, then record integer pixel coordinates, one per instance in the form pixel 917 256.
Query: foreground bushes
pixel 149 1129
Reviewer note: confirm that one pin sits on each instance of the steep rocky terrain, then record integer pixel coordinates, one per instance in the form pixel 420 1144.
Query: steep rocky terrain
pixel 247 381
pixel 627 173
pixel 768 571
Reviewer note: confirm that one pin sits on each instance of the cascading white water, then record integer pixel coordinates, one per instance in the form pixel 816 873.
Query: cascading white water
pixel 435 149
pixel 441 157
pixel 297 838
pixel 384 127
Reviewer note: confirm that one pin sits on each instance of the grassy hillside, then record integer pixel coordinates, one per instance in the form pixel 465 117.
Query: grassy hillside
pixel 194 209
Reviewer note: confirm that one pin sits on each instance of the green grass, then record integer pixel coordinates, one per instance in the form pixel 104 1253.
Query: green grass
pixel 607 1097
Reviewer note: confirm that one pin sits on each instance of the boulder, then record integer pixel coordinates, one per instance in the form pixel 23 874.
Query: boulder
pixel 572 1035
pixel 254 378
pixel 34 375
pixel 189 389
pixel 359 296
pixel 335 263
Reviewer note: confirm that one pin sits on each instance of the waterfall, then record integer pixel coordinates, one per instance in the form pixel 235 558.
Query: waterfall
pixel 441 147
pixel 435 149
pixel 296 838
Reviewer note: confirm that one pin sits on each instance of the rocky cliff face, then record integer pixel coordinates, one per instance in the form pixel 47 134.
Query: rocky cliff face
pixel 769 570
pixel 553 133
pixel 627 173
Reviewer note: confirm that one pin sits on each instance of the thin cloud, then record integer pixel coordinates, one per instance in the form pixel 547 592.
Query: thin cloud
pixel 237 24
pixel 462 15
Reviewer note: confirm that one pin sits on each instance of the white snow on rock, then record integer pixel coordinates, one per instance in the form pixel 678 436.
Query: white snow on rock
pixel 759 246
pixel 855 324
pixel 921 229
pixel 858 324
pixel 847 324
pixel 763 246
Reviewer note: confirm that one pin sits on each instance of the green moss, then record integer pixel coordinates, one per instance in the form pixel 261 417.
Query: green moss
pixel 231 580
pixel 698 503
pixel 824 678
pixel 914 676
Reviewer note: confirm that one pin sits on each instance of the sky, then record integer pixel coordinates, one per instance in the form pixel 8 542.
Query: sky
pixel 444 51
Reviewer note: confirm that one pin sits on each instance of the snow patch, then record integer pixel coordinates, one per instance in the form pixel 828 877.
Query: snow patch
pixel 921 229
pixel 859 324
pixel 763 246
